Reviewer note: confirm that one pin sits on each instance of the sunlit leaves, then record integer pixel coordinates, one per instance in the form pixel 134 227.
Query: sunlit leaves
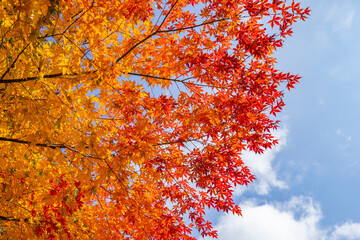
pixel 127 119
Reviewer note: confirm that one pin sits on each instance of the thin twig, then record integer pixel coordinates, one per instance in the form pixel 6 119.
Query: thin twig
pixel 13 63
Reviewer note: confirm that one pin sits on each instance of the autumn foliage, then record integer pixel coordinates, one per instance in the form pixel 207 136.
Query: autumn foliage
pixel 126 119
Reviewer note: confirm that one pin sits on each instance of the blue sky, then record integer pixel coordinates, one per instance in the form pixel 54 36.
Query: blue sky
pixel 308 186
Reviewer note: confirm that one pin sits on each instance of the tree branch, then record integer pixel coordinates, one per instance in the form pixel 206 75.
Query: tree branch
pixel 177 80
pixel 134 46
pixel 13 63
pixel 2 218
pixel 54 146
pixel 167 15
pixel 16 80
pixel 166 31
pixel 160 78
pixel 180 141
pixel 194 26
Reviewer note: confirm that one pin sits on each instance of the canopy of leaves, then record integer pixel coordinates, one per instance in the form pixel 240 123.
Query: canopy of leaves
pixel 126 119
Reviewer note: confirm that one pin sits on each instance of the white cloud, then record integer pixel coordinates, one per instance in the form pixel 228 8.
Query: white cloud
pixel 261 166
pixel 349 231
pixel 297 219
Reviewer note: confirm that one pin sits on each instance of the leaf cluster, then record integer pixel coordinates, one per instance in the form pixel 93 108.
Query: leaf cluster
pixel 126 119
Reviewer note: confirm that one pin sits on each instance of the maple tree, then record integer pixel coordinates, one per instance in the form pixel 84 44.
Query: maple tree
pixel 127 119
